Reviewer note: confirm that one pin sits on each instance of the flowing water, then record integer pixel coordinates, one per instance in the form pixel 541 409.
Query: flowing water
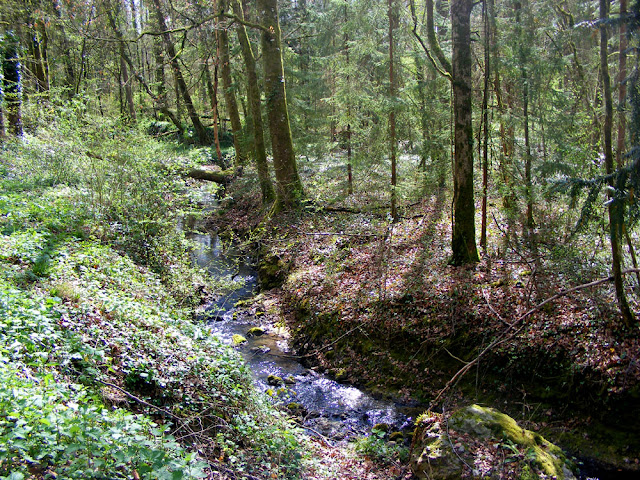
pixel 323 405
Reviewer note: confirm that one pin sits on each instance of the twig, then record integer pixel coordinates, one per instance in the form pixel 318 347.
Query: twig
pixel 454 357
pixel 486 298
pixel 511 330
pixel 343 234
pixel 324 439
pixel 139 400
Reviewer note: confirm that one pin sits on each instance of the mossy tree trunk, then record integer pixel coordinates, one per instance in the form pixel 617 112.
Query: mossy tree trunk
pixel 463 242
pixel 254 107
pixel 181 85
pixel 289 191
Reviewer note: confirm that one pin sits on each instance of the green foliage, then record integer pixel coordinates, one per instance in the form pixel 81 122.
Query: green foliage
pixel 376 446
pixel 59 429
pixel 96 288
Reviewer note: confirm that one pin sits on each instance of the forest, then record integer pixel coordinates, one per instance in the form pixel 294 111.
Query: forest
pixel 319 239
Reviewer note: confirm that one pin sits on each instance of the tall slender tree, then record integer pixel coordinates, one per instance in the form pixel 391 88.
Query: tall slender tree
pixel 201 133
pixel 227 86
pixel 458 71
pixel 616 209
pixel 392 15
pixel 254 105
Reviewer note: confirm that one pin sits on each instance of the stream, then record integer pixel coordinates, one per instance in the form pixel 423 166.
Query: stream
pixel 337 411
pixel 324 406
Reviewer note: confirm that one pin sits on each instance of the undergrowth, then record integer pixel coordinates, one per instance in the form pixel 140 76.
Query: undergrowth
pixel 103 373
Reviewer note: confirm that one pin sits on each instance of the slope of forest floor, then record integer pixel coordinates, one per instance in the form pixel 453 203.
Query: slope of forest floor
pixel 375 304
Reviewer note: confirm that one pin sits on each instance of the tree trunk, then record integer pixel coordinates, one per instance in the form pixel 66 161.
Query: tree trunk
pixel 201 133
pixel 392 114
pixel 622 86
pixel 229 95
pixel 161 89
pixel 485 124
pixel 463 242
pixel 348 135
pixel 523 54
pixel 212 89
pixel 289 191
pixel 70 79
pixel 11 84
pixel 218 176
pixel 126 85
pixel 38 47
pixel 255 110
pixel 616 207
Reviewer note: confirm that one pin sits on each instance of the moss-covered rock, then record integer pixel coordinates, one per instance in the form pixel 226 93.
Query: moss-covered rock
pixel 480 439
pixel 272 271
pixel 255 332
pixel 274 380
pixel 238 339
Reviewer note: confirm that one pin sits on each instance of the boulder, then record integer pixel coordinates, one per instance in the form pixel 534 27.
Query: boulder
pixel 480 442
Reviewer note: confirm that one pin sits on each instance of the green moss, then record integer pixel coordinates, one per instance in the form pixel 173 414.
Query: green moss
pixel 488 423
pixel 274 380
pixel 255 332
pixel 238 339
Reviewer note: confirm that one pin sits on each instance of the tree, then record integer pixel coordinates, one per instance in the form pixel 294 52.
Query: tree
pixel 289 191
pixel 254 104
pixel 463 241
pixel 201 133
pixel 227 85
pixel 616 208
pixel 12 83
pixel 392 112
pixel 458 71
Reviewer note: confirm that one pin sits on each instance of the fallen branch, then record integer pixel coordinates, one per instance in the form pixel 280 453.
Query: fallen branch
pixel 340 234
pixel 511 330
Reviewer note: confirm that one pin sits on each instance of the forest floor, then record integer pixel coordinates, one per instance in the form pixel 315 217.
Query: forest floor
pixel 375 304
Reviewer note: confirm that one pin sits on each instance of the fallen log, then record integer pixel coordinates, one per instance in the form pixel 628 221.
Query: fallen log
pixel 212 174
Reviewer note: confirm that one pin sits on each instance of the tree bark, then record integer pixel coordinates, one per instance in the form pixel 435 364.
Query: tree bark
pixel 524 76
pixel 227 87
pixel 217 176
pixel 161 88
pixel 255 110
pixel 289 191
pixel 70 80
pixel 622 86
pixel 11 84
pixel 392 114
pixel 616 207
pixel 212 89
pixel 348 134
pixel 201 133
pixel 463 242
pixel 485 124
pixel 126 85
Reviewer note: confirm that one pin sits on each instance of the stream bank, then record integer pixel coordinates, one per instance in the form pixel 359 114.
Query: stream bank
pixel 392 317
